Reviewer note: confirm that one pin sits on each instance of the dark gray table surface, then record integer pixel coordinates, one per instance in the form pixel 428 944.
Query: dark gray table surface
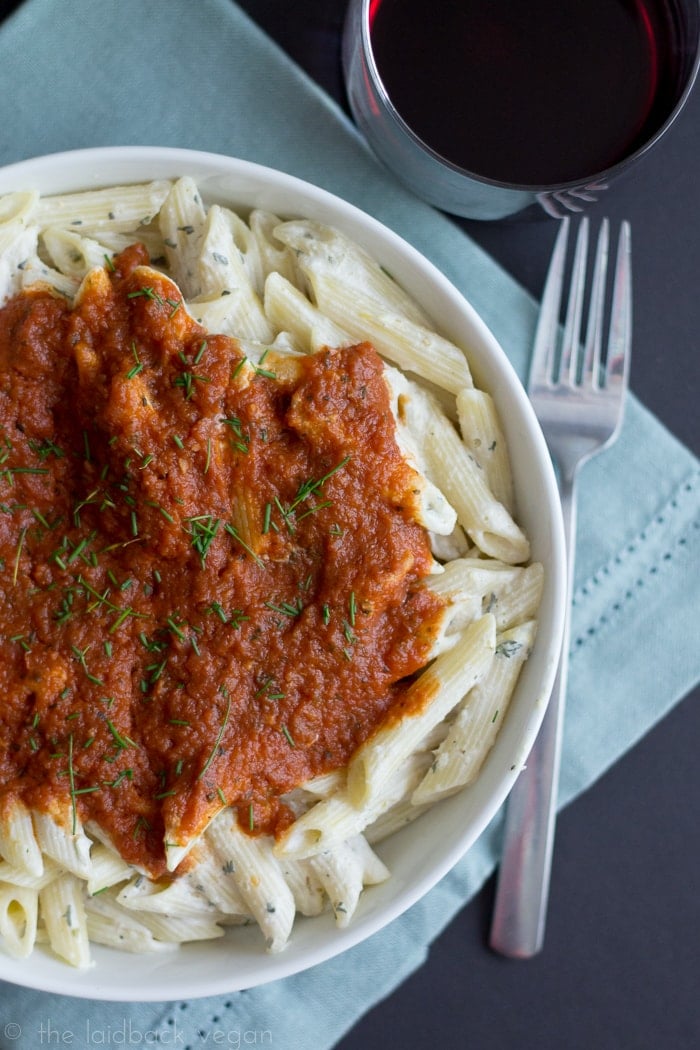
pixel 621 964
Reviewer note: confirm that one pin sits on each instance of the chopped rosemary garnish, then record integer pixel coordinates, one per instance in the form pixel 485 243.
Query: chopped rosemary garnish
pixel 125 774
pixel 122 742
pixel 79 654
pixel 286 608
pixel 242 440
pixel 146 293
pixel 219 735
pixel 71 781
pixel 138 367
pixel 304 492
pixel 288 736
pixel 215 607
pixel 203 529
pixel 233 531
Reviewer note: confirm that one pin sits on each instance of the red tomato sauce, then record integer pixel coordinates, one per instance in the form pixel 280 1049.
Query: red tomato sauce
pixel 209 571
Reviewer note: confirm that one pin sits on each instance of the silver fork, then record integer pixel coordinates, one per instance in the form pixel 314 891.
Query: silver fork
pixel 579 401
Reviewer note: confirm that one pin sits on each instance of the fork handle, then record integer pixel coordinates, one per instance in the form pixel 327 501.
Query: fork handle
pixel 522 892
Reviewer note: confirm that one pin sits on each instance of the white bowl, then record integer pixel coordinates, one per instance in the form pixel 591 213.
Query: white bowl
pixel 424 852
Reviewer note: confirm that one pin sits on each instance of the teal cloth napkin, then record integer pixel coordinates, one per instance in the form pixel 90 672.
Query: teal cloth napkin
pixel 201 75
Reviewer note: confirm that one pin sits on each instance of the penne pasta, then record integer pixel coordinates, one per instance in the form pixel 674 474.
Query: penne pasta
pixel 275 257
pixel 19 909
pixel 115 927
pixel 344 872
pixel 482 434
pixel 486 521
pixel 182 221
pixel 258 877
pixel 63 911
pixel 107 869
pixel 18 206
pixel 18 842
pixel 124 208
pixel 71 253
pixel 289 310
pixel 473 731
pixel 336 819
pixel 429 700
pixel 290 296
pixel 472 586
pixel 64 841
pixel 319 249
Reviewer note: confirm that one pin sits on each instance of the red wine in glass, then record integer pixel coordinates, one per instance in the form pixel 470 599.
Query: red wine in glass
pixel 529 92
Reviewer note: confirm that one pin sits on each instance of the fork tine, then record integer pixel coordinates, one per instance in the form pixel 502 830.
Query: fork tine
pixel 571 339
pixel 545 344
pixel 594 328
pixel 620 337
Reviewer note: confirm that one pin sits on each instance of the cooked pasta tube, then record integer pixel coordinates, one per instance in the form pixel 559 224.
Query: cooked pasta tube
pixel 411 346
pixel 459 477
pixel 275 257
pixel 179 897
pixel 482 434
pixel 107 869
pixel 321 249
pixel 19 909
pixel 18 206
pixel 216 880
pixel 113 242
pixel 19 877
pixel 228 255
pixel 344 871
pixel 519 600
pixel 258 877
pixel 336 819
pixel 110 924
pixel 72 253
pixel 396 818
pixel 18 243
pixel 306 887
pixel 123 208
pixel 182 928
pixel 18 843
pixel 432 696
pixel 359 296
pixel 63 911
pixel 473 731
pixel 182 220
pixel 65 841
pixel 512 593
pixel 289 310
pixel 237 312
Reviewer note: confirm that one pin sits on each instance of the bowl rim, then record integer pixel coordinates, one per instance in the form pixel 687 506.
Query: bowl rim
pixel 87 168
